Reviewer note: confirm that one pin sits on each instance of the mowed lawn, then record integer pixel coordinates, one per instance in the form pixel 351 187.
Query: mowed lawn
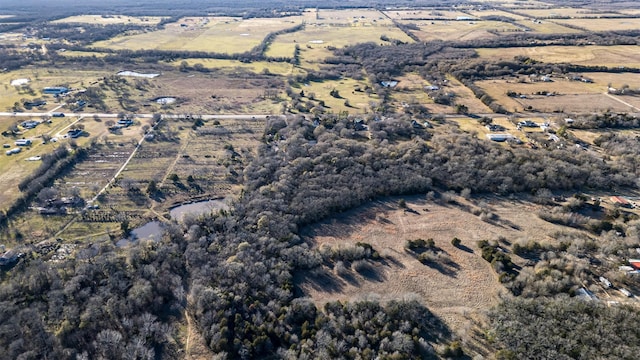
pixel 209 34
pixel 612 56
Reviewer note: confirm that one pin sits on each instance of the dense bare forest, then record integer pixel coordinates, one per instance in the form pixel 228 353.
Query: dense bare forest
pixel 231 273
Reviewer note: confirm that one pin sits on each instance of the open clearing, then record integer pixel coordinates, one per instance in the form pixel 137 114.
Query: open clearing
pixel 603 24
pixel 570 96
pixel 546 27
pixel 257 67
pixel 315 39
pixel 358 100
pixel 110 19
pixel 461 30
pixel 612 56
pixel 483 13
pixel 455 293
pixel 427 14
pixel 212 93
pixel 565 13
pixel 364 17
pixel 211 34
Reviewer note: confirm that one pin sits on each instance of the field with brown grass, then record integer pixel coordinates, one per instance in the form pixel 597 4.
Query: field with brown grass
pixel 612 56
pixel 457 292
pixel 603 24
pixel 211 34
pixel 461 30
pixel 567 96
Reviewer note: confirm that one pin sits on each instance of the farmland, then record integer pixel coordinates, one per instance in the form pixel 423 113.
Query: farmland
pixel 603 24
pixel 314 182
pixel 611 56
pixel 461 30
pixel 212 34
pixel 109 19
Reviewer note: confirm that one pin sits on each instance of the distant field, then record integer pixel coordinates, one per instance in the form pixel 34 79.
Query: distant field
pixel 426 14
pixel 603 24
pixel 110 19
pixel 613 56
pixel 482 13
pixel 616 80
pixel 461 30
pixel 572 96
pixel 547 27
pixel 315 39
pixel 518 4
pixel 364 17
pixel 211 34
pixel 69 53
pixel 630 11
pixel 565 12
pixel 258 67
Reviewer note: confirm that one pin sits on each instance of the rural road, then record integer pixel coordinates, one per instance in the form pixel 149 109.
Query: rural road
pixel 147 116
pixel 622 101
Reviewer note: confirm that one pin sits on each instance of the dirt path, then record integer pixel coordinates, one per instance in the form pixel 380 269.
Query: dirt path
pixel 622 101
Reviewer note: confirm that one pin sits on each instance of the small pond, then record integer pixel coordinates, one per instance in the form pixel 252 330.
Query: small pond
pixel 197 208
pixel 152 230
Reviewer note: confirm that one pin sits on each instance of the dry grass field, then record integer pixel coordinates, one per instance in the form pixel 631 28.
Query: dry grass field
pixel 494 12
pixel 564 13
pixel 356 17
pixel 110 20
pixel 465 96
pixel 315 39
pixel 427 14
pixel 546 27
pixel 256 67
pixel 461 30
pixel 519 5
pixel 359 102
pixel 209 93
pixel 211 34
pixel 457 292
pixel 571 96
pixel 603 24
pixel 72 54
pixel 612 56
